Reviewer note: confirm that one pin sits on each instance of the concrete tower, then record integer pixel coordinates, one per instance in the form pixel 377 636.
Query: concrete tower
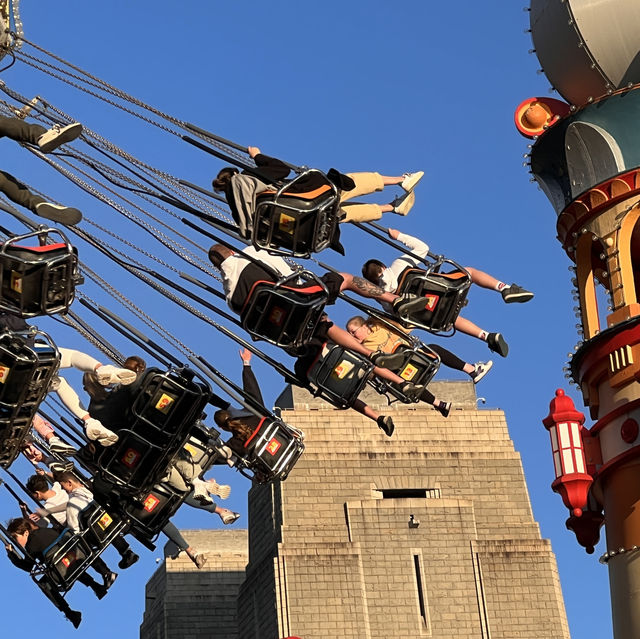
pixel 427 534
pixel 586 158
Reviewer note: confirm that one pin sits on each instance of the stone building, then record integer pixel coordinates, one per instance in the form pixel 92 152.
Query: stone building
pixel 427 534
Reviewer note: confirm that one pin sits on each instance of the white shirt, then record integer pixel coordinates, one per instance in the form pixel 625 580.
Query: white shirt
pixel 56 505
pixel 390 275
pixel 79 498
pixel 233 266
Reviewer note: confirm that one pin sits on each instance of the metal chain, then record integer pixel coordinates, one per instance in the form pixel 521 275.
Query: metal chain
pixel 110 89
pixel 112 354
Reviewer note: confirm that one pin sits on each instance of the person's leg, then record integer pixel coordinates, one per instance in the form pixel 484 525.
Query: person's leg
pixel 126 552
pixel 495 341
pixel 52 594
pixel 18 192
pixel 450 360
pixel 19 130
pixel 365 183
pixel 384 422
pixel 484 280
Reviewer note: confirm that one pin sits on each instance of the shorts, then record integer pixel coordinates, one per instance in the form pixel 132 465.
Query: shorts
pixel 333 282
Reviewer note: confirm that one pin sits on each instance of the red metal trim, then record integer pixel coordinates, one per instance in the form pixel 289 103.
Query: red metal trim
pixel 40 249
pixel 255 432
pixel 611 415
pixel 631 453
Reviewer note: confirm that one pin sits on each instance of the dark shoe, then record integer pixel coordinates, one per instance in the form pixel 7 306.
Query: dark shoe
pixel 480 370
pixel 386 424
pixel 56 136
pixel 408 303
pixel 411 391
pixel 74 616
pixel 58 213
pixel 387 360
pixel 444 408
pixel 128 559
pixel 109 579
pixel 497 344
pixel 100 591
pixel 515 293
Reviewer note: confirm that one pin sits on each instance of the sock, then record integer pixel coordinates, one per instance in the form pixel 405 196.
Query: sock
pixel 483 335
pixel 500 286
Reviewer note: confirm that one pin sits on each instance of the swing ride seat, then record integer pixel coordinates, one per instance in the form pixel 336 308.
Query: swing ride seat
pixel 37 280
pixel 71 554
pixel 419 367
pixel 271 452
pixel 339 375
pixel 26 372
pixel 298 224
pixel 284 313
pixel 445 295
pixel 160 414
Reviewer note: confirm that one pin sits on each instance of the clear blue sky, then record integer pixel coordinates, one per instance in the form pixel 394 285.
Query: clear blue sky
pixel 391 87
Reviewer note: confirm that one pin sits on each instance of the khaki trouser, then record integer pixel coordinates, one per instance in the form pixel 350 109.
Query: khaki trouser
pixel 356 212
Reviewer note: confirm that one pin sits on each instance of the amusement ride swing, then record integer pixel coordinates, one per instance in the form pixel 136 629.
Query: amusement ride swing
pixel 162 413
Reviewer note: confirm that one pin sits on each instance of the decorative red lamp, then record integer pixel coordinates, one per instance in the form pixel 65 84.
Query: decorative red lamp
pixel 564 424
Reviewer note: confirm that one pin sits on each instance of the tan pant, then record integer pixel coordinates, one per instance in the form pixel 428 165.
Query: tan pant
pixel 365 183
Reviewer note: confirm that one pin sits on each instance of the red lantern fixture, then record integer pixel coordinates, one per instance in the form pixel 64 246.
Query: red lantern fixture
pixel 564 424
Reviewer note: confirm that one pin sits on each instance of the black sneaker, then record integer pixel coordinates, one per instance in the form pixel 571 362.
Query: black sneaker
pixel 109 579
pixel 386 424
pixel 387 360
pixel 444 408
pixel 480 370
pixel 412 391
pixel 515 293
pixel 408 303
pixel 58 213
pixel 74 616
pixel 497 344
pixel 128 559
pixel 100 591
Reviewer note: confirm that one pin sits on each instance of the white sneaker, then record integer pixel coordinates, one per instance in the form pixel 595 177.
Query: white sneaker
pixel 228 516
pixel 108 374
pixel 480 370
pixel 200 492
pixel 403 204
pixel 56 445
pixel 214 488
pixel 98 433
pixel 411 180
pixel 57 135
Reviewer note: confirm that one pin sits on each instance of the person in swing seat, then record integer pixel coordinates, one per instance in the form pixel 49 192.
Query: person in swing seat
pixel 387 278
pixel 241 188
pixel 46 140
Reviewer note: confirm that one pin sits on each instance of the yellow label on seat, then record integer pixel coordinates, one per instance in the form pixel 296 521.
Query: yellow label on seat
pixel 408 372
pixel 4 373
pixel 164 403
pixel 105 521
pixel 343 369
pixel 16 282
pixel 286 223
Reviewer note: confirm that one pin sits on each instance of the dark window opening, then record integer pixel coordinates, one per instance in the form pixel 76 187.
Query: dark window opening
pixel 410 493
pixel 421 603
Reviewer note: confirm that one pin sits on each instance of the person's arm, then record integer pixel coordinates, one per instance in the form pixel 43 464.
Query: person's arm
pixel 271 168
pixel 24 563
pixel 416 246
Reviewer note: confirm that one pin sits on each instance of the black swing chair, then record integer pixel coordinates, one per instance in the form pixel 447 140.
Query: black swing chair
pixel 37 279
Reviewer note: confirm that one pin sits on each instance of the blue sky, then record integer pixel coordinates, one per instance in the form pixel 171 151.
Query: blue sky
pixel 358 86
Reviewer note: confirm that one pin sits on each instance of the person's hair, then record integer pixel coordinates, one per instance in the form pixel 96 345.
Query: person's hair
pixel 94 389
pixel 218 253
pixel 357 321
pixel 66 475
pixel 223 178
pixel 19 526
pixel 37 483
pixel 135 364
pixel 372 270
pixel 235 426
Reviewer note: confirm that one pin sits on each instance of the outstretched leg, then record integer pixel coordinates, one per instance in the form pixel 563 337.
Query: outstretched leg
pixel 495 341
pixel 510 292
